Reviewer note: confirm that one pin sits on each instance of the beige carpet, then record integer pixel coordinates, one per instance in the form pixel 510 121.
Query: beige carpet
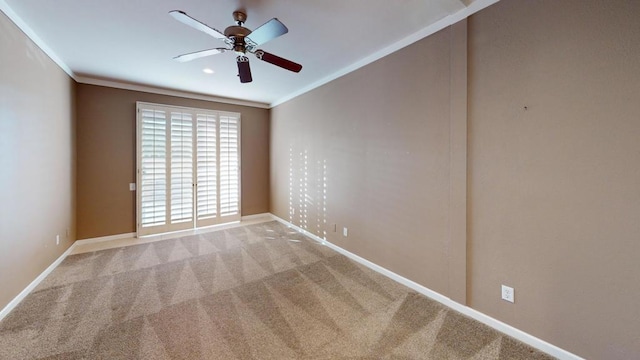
pixel 255 292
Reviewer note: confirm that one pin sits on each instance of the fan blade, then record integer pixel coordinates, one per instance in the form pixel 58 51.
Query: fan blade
pixel 278 61
pixel 198 54
pixel 268 31
pixel 188 20
pixel 244 71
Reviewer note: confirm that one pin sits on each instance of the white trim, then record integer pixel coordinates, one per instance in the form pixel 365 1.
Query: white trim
pixel 13 303
pixel 208 228
pixel 472 313
pixel 105 238
pixel 191 231
pixel 169 92
pixel 419 35
pixel 263 216
pixel 26 29
pixel 133 235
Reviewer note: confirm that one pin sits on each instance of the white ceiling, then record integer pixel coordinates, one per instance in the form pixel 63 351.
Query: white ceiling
pixel 132 42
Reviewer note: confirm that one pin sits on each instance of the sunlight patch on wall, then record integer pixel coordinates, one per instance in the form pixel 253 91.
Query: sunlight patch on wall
pixel 307 191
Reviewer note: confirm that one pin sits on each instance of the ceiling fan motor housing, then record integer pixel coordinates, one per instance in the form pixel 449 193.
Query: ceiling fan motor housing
pixel 237 33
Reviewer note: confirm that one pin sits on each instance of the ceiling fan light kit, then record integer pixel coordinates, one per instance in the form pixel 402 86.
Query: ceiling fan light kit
pixel 240 40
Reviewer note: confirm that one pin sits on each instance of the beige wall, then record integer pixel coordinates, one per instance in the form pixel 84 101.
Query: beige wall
pixel 37 159
pixel 372 151
pixel 106 143
pixel 554 188
pixel 552 167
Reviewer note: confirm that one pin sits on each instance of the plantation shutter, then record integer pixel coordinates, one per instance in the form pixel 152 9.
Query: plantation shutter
pixel 188 168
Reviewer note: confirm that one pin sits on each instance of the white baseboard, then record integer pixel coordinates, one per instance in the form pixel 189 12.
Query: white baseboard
pixel 105 238
pixel 262 216
pixel 257 217
pixel 13 303
pixel 472 313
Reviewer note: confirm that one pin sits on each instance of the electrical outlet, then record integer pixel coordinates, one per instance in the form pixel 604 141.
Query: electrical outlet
pixel 57 239
pixel 345 232
pixel 132 186
pixel 508 293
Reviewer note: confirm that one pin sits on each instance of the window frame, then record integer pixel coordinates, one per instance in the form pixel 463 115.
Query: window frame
pixel 194 223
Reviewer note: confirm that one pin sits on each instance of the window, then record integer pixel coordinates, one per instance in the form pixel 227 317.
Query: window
pixel 188 168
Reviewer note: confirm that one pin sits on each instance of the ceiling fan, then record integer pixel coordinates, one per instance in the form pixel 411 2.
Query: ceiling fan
pixel 240 40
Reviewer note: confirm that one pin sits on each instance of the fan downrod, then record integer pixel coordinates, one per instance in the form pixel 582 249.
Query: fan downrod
pixel 240 17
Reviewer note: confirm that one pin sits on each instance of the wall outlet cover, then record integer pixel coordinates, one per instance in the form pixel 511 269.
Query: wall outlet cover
pixel 508 294
pixel 345 232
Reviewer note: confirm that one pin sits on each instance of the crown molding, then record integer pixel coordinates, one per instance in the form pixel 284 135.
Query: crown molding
pixel 26 29
pixel 177 93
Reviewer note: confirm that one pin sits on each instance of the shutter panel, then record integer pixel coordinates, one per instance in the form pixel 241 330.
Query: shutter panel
pixel 207 166
pixel 153 167
pixel 181 167
pixel 229 161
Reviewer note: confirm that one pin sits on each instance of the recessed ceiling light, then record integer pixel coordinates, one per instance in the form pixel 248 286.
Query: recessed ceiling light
pixel 208 71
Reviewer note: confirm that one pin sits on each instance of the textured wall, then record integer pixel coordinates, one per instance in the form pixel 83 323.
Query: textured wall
pixel 554 188
pixel 371 151
pixel 106 143
pixel 37 161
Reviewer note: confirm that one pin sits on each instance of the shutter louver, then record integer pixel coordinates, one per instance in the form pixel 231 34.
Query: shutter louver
pixel 153 189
